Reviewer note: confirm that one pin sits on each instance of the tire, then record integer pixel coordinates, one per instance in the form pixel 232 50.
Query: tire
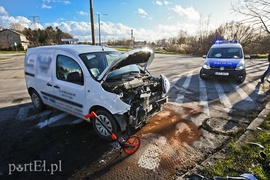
pixel 202 76
pixel 108 120
pixel 36 100
pixel 241 80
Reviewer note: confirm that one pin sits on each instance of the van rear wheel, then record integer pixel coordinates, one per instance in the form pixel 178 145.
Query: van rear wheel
pixel 107 120
pixel 36 100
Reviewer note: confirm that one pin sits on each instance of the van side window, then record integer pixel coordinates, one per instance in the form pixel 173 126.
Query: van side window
pixel 68 70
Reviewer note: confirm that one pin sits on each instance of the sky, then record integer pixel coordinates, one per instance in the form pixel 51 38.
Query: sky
pixel 149 20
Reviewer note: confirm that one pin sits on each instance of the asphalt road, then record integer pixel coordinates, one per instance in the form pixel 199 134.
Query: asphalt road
pixel 199 119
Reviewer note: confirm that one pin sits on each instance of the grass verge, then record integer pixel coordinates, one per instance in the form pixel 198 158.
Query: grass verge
pixel 249 158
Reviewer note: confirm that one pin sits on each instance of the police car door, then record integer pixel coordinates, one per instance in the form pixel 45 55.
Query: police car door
pixel 69 84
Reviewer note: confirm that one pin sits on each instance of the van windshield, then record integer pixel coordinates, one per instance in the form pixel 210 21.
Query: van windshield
pixel 230 52
pixel 96 62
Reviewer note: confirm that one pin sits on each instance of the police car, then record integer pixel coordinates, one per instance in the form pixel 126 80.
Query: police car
pixel 225 59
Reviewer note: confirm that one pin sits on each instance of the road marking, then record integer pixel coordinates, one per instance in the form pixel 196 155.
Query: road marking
pixel 175 79
pixel 204 97
pixel 23 112
pixel 180 97
pixel 223 97
pixel 39 115
pixel 51 120
pixel 243 94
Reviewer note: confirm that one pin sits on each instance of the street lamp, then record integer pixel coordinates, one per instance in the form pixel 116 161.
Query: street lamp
pixel 99 27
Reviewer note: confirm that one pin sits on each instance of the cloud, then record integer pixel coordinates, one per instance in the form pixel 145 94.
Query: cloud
pixel 159 3
pixel 57 1
pixel 66 2
pixel 3 11
pixel 109 30
pixel 44 6
pixel 189 12
pixel 82 13
pixel 5 22
pixel 142 12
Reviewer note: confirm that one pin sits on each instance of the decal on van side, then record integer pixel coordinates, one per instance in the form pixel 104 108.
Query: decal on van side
pixel 61 99
pixel 44 61
pixel 67 94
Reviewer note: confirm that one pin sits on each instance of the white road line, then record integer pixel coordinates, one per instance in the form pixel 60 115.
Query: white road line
pixel 222 96
pixel 23 112
pixel 39 115
pixel 203 97
pixel 51 120
pixel 243 94
pixel 175 79
pixel 180 97
pixel 251 86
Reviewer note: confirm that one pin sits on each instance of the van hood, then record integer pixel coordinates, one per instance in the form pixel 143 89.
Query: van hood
pixel 141 57
pixel 223 62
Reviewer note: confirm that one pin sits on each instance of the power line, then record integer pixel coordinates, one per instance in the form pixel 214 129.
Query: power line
pixel 34 20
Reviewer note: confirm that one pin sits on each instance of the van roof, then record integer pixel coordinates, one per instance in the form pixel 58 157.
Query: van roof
pixel 75 48
pixel 225 45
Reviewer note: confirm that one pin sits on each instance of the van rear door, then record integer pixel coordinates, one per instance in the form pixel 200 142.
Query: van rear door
pixel 44 74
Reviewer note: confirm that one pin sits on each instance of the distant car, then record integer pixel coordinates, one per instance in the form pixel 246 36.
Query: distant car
pixel 79 79
pixel 225 59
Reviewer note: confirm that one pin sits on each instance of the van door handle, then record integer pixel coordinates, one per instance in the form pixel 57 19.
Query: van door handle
pixel 57 87
pixel 48 84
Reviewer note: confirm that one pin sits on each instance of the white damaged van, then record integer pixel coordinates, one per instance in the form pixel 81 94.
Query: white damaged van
pixel 79 79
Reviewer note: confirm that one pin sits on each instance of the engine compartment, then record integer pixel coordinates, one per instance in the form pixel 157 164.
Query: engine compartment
pixel 141 91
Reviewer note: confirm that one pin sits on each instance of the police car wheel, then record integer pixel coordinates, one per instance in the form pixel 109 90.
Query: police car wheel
pixel 107 120
pixel 36 100
pixel 241 80
pixel 202 76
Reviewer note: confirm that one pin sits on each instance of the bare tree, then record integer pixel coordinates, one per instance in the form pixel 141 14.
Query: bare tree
pixel 255 12
pixel 16 26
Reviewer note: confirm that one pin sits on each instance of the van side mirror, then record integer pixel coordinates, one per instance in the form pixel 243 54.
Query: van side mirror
pixel 75 78
pixel 204 56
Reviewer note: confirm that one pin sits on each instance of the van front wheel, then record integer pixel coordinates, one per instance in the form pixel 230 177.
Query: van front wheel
pixel 107 120
pixel 36 100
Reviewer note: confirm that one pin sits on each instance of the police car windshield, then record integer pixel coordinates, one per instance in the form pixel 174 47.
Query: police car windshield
pixel 225 52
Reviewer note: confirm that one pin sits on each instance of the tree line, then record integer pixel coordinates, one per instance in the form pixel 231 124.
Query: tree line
pixel 47 36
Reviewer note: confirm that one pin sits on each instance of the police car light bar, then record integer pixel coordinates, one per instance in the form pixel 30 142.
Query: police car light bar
pixel 226 41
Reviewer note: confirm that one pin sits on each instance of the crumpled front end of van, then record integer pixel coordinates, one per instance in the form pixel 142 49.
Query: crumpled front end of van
pixel 136 87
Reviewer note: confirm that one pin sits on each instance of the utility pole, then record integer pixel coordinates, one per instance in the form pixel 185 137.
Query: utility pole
pixel 34 20
pixel 92 22
pixel 99 27
pixel 132 38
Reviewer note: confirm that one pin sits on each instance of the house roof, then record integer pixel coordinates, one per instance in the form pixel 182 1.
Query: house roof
pixel 12 31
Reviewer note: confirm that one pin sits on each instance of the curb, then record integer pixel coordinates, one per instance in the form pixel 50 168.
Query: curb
pixel 253 125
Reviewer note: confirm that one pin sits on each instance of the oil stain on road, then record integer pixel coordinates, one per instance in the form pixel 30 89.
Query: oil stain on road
pixel 166 147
